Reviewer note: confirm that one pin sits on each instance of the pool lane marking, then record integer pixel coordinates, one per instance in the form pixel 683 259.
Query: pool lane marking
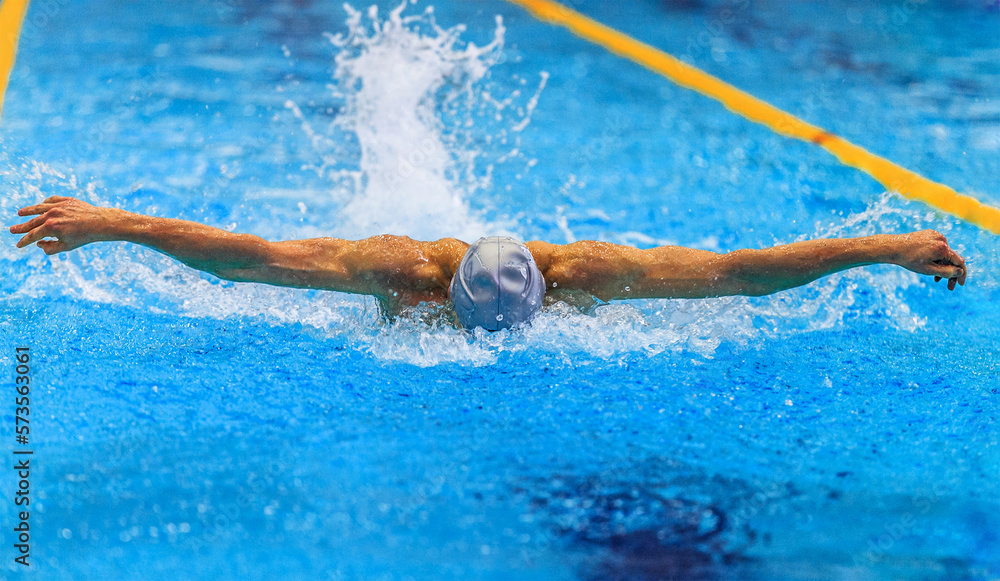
pixel 11 18
pixel 895 178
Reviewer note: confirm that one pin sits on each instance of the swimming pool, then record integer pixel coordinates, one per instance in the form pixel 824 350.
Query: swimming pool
pixel 187 427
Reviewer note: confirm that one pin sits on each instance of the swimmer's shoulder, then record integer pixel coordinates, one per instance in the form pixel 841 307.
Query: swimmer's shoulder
pixel 448 253
pixel 542 252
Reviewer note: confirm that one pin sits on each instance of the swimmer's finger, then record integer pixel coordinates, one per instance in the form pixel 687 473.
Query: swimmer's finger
pixel 52 246
pixel 959 261
pixel 55 199
pixel 937 279
pixel 948 271
pixel 34 210
pixel 35 235
pixel 27 226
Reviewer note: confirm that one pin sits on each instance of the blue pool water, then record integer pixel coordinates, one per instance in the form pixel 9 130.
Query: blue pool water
pixel 189 428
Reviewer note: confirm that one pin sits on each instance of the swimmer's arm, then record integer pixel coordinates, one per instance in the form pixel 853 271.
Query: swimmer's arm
pixel 376 266
pixel 769 270
pixel 610 271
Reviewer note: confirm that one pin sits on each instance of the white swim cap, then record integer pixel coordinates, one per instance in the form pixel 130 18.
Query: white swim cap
pixel 498 285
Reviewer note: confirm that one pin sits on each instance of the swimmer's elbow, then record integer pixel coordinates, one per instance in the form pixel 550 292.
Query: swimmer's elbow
pixel 236 274
pixel 275 263
pixel 738 276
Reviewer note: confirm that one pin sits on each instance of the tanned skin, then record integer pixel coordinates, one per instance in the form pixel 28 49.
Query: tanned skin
pixel 402 272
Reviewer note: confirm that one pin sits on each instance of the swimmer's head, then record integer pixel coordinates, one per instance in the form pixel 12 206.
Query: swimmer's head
pixel 497 285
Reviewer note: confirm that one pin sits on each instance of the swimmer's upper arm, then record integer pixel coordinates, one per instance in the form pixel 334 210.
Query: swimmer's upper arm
pixel 378 266
pixel 319 263
pixel 612 271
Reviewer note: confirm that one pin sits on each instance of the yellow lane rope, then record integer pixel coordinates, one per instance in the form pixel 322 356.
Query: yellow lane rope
pixel 11 17
pixel 890 175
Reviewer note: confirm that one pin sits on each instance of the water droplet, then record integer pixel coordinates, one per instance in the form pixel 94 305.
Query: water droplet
pixel 555 284
pixel 628 289
pixel 395 294
pixel 499 317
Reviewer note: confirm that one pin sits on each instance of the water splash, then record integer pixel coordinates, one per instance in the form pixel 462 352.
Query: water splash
pixel 825 303
pixel 409 88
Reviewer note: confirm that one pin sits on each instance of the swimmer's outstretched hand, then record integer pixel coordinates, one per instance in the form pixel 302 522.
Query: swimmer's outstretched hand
pixel 395 269
pixel 63 223
pixel 927 252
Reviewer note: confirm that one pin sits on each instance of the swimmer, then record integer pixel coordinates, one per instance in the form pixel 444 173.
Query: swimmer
pixel 494 283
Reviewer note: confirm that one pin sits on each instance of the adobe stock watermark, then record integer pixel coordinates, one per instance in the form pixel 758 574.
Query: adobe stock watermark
pixel 39 15
pixel 757 503
pixel 903 525
pixel 708 38
pixel 217 521
pixel 613 129
pixel 899 16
